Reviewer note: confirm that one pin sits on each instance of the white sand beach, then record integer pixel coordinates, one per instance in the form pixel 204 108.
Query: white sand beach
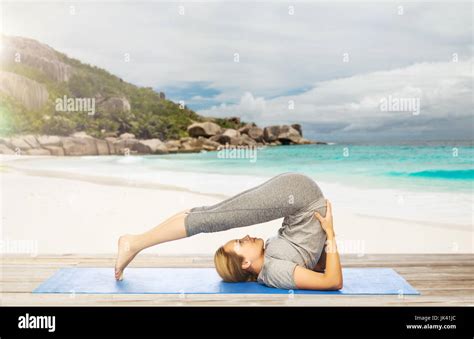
pixel 69 213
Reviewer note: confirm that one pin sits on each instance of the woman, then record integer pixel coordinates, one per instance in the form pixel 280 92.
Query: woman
pixel 295 259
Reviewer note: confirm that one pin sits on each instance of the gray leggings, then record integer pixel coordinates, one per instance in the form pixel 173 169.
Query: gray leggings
pixel 278 197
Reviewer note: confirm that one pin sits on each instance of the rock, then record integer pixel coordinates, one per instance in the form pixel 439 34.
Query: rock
pixel 154 146
pixel 36 55
pixel 270 133
pixel 37 151
pixel 125 146
pixel 18 142
pixel 231 133
pixel 31 140
pixel 221 139
pixel 284 134
pixel 191 145
pixel 288 135
pixel 184 139
pixel 110 135
pixel 256 133
pixel 204 129
pixel 209 145
pixel 81 135
pixel 173 145
pixel 246 140
pixel 234 136
pixel 49 140
pixel 55 150
pixel 5 150
pixel 298 128
pixel 102 147
pixel 245 129
pixel 304 141
pixel 113 105
pixel 79 146
pixel 125 136
pixel 111 147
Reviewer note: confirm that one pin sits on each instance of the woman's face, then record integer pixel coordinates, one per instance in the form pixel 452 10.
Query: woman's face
pixel 249 248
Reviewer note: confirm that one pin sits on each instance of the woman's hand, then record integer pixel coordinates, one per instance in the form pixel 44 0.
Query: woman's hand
pixel 326 222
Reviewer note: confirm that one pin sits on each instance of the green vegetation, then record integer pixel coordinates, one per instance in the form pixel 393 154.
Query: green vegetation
pixel 151 116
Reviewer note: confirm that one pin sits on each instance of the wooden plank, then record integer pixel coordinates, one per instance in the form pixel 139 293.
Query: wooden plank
pixel 443 279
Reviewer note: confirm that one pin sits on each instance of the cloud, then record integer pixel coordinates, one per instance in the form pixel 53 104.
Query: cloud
pixel 443 91
pixel 282 57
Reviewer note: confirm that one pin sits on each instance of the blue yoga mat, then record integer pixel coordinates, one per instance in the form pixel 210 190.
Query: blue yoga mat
pixel 374 281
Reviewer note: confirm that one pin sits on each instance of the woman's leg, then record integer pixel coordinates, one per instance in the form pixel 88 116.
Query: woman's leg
pixel 130 245
pixel 276 198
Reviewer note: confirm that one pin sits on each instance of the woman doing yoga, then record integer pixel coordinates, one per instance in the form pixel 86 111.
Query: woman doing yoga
pixel 302 256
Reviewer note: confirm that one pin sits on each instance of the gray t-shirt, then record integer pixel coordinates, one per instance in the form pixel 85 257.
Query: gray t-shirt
pixel 300 241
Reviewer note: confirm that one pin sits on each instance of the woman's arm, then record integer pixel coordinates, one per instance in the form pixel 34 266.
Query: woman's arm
pixel 331 279
pixel 321 265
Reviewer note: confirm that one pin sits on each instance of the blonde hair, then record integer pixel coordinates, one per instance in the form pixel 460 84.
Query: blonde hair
pixel 229 266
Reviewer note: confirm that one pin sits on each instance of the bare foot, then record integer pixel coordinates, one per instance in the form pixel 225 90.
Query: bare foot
pixel 126 253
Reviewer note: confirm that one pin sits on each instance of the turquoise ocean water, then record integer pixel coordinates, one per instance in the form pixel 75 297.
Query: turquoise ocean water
pixel 447 167
pixel 442 166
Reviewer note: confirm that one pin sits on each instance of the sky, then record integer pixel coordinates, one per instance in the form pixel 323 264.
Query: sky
pixel 326 65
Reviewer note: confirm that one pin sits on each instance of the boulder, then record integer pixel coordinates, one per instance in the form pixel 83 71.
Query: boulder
pixel 288 135
pixel 31 94
pixel 248 141
pixel 154 146
pixel 221 139
pixel 125 146
pixel 79 146
pixel 126 136
pixel 270 133
pixel 55 150
pixel 37 56
pixel 81 135
pixel 245 129
pixel 209 145
pixel 37 151
pixel 102 147
pixel 49 140
pixel 5 150
pixel 204 129
pixel 111 147
pixel 298 128
pixel 191 145
pixel 18 142
pixel 113 105
pixel 173 145
pixel 231 133
pixel 304 141
pixel 31 140
pixel 256 133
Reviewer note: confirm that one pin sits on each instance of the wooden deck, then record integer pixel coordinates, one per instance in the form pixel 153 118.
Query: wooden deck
pixel 442 279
